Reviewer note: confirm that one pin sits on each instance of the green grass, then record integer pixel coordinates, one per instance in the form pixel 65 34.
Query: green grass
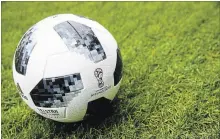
pixel 171 81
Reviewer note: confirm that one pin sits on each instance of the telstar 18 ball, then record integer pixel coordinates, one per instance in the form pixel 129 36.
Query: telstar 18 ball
pixel 65 63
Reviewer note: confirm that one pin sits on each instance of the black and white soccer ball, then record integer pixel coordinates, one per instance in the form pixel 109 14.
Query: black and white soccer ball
pixel 63 64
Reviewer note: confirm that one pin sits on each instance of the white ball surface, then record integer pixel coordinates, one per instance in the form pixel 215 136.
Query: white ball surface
pixel 64 62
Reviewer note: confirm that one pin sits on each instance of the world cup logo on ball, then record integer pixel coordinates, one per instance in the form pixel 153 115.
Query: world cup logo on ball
pixel 99 74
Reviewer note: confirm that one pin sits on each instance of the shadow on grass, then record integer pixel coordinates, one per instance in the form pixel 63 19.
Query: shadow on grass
pixel 112 114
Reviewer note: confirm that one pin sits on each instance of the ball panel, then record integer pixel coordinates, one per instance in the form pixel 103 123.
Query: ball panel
pixel 57 92
pixel 118 68
pixel 24 50
pixel 99 107
pixel 65 63
pixel 80 38
pixel 106 40
pixel 97 91
pixel 112 93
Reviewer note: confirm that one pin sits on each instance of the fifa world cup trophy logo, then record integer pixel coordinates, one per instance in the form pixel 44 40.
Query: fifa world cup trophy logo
pixel 99 74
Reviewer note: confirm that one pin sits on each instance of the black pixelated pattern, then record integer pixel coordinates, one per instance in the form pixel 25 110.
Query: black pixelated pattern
pixel 118 68
pixel 81 39
pixel 57 92
pixel 24 50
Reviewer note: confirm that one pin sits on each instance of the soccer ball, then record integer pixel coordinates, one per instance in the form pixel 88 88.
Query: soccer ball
pixel 64 64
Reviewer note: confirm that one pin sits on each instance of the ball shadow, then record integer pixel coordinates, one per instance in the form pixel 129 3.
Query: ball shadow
pixel 104 118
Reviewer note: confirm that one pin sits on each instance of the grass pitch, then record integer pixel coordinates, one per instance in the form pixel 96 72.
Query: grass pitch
pixel 171 81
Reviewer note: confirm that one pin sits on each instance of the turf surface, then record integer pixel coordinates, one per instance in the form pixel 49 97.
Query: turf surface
pixel 171 81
